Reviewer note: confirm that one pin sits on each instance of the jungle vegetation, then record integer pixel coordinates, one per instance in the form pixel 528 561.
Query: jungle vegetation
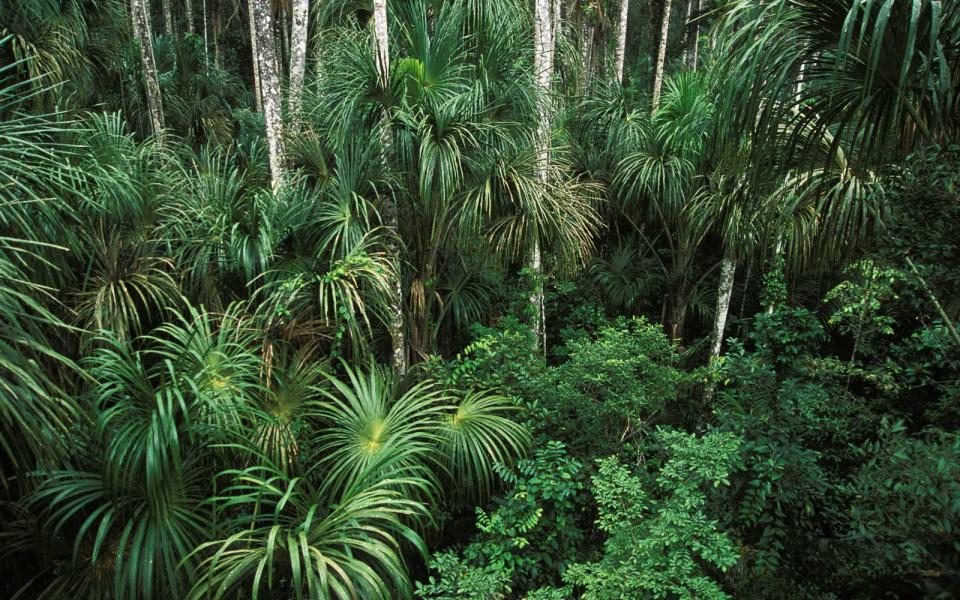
pixel 479 299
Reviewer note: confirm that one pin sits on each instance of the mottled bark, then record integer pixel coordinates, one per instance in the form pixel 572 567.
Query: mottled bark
pixel 298 60
pixel 270 87
pixel 381 43
pixel 661 55
pixel 728 269
pixel 621 47
pixel 167 17
pixel 140 20
pixel 397 325
pixel 257 91
pixel 543 26
pixel 206 38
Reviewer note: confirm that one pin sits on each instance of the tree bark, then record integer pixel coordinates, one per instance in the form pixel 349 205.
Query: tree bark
pixel 206 39
pixel 397 325
pixel 728 269
pixel 167 17
pixel 686 32
pixel 188 8
pixel 298 60
pixel 257 91
pixel 621 47
pixel 661 56
pixel 696 37
pixel 141 28
pixel 543 30
pixel 270 87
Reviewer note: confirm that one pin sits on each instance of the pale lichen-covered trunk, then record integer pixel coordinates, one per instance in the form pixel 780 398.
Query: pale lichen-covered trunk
pixel 188 8
pixel 257 92
pixel 728 269
pixel 167 17
pixel 397 325
pixel 270 87
pixel 661 55
pixel 696 38
pixel 298 60
pixel 621 48
pixel 206 38
pixel 140 19
pixel 543 30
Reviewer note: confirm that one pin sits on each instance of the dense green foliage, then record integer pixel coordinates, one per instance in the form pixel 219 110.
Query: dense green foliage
pixel 200 391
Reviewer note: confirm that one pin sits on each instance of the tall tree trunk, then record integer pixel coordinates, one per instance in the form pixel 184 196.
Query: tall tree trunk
pixel 206 39
pixel 167 17
pixel 381 51
pixel 140 20
pixel 217 31
pixel 298 60
pixel 696 37
pixel 543 70
pixel 621 40
pixel 270 86
pixel 661 55
pixel 257 90
pixel 686 33
pixel 188 8
pixel 728 269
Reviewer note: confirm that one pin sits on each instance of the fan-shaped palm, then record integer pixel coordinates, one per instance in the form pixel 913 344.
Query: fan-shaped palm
pixel 294 540
pixel 424 430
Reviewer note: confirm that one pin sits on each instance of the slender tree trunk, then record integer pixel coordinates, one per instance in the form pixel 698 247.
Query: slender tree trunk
pixel 167 17
pixel 543 70
pixel 933 300
pixel 188 8
pixel 270 82
pixel 661 55
pixel 381 51
pixel 206 39
pixel 257 91
pixel 217 30
pixel 298 60
pixel 696 38
pixel 728 269
pixel 621 48
pixel 140 20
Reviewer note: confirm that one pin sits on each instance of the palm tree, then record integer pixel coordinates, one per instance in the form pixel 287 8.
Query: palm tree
pixel 659 177
pixel 35 411
pixel 880 78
